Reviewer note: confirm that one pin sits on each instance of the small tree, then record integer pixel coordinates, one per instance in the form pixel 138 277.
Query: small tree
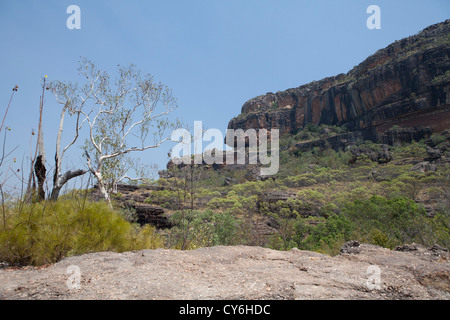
pixel 184 181
pixel 121 116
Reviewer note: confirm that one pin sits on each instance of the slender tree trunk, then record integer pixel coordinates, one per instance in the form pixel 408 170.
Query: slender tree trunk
pixel 59 180
pixel 38 163
pixel 102 187
pixel 58 155
pixel 98 175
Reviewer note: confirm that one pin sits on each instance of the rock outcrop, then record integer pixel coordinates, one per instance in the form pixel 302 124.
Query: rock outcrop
pixel 406 84
pixel 131 198
pixel 239 272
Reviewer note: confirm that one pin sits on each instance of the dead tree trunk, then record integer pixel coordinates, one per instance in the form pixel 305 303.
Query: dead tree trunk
pixel 40 171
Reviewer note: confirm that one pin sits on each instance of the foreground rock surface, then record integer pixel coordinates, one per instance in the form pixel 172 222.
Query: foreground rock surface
pixel 238 272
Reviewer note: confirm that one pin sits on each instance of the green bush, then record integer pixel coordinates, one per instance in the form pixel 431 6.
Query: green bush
pixel 236 203
pixel 194 229
pixel 329 236
pixel 437 139
pixel 168 198
pixel 379 238
pixel 46 232
pixel 396 221
pixel 303 180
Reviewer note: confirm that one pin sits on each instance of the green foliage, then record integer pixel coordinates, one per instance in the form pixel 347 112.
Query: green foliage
pixel 377 220
pixel 391 222
pixel 332 193
pixel 312 131
pixel 379 238
pixel 441 78
pixel 166 198
pixel 334 202
pixel 301 180
pixel 409 150
pixel 325 235
pixel 194 229
pixel 45 232
pixel 437 139
pixel 236 203
pixel 284 217
pixel 328 236
pixel 249 188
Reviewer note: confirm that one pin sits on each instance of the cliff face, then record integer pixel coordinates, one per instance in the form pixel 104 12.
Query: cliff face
pixel 405 84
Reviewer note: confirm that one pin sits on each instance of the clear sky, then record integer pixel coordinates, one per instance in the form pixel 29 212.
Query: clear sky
pixel 213 54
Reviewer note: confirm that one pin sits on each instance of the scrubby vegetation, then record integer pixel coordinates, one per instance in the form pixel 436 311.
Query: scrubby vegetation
pixel 44 232
pixel 317 201
pixel 330 200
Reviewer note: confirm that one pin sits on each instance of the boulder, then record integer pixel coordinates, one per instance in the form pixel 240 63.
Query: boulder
pixel 423 167
pixel 434 153
pixel 351 247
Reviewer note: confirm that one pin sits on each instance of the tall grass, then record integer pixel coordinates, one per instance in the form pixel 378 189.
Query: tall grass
pixel 45 232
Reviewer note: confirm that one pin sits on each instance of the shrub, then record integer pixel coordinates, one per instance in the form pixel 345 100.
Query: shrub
pixel 165 196
pixel 236 203
pixel 304 180
pixel 46 232
pixel 437 139
pixel 396 221
pixel 379 238
pixel 194 229
pixel 329 236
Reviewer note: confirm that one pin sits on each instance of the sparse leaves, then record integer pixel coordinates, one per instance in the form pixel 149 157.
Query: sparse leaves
pixel 121 114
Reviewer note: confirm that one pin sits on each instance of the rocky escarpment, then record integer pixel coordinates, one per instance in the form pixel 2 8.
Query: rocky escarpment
pixel 405 84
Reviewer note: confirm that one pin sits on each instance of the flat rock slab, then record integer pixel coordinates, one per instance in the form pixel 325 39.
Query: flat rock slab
pixel 238 272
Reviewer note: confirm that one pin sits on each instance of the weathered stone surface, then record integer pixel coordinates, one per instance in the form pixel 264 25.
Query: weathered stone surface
pixel 351 247
pixel 237 273
pixel 395 136
pixel 423 167
pixel 405 84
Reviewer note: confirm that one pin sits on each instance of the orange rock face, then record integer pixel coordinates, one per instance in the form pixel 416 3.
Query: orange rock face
pixel 406 84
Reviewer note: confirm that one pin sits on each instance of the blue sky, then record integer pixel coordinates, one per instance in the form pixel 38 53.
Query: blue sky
pixel 214 55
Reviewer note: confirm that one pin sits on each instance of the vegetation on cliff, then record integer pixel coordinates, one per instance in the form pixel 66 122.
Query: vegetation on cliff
pixel 354 165
pixel 320 198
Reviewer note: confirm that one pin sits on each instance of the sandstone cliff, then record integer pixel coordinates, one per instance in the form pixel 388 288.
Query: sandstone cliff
pixel 405 84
